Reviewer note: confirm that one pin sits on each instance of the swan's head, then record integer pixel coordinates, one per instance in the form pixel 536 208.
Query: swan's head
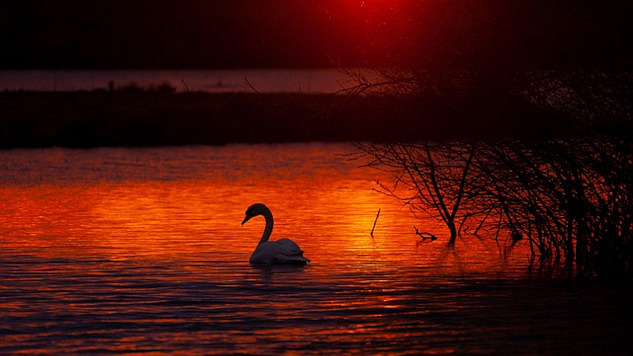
pixel 254 210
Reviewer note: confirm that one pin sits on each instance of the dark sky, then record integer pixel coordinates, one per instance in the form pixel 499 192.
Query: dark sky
pixel 176 34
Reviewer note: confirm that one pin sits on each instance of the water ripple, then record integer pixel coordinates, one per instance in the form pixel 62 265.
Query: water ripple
pixel 140 251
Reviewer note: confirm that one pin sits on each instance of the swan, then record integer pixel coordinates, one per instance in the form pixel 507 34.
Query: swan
pixel 283 251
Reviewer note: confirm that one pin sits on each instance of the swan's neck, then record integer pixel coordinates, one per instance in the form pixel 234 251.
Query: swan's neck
pixel 269 226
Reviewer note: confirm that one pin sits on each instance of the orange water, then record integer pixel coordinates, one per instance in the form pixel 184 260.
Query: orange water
pixel 141 251
pixel 187 203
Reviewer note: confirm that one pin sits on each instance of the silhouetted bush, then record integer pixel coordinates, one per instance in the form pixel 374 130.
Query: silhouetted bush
pixel 165 87
pixel 569 190
pixel 130 88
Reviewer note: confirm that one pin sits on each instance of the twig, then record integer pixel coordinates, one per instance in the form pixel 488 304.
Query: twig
pixel 186 86
pixel 248 83
pixel 425 235
pixel 375 220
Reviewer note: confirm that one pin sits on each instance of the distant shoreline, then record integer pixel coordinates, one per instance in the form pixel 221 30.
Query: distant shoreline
pixel 277 80
pixel 155 118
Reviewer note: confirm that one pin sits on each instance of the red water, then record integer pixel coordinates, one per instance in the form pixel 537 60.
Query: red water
pixel 141 251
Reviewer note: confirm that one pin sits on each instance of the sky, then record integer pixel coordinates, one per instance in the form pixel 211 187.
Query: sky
pixel 179 34
pixel 210 34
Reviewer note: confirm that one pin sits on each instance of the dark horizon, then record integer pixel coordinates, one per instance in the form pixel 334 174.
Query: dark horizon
pixel 160 34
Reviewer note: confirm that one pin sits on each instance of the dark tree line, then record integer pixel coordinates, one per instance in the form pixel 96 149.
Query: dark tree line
pixel 567 191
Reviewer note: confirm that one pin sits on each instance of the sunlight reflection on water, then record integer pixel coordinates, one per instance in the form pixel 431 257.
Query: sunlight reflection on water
pixel 141 250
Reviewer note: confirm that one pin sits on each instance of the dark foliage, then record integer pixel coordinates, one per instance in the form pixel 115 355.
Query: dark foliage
pixel 569 193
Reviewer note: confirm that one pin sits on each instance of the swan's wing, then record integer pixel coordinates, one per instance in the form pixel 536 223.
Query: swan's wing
pixel 289 247
pixel 290 252
pixel 280 251
pixel 294 259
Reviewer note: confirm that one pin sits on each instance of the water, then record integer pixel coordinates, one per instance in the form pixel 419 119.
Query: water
pixel 263 80
pixel 140 251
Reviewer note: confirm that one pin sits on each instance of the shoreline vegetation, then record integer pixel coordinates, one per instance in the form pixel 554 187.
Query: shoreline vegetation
pixel 160 117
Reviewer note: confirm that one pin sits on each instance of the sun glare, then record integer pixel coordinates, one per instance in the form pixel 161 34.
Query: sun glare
pixel 374 7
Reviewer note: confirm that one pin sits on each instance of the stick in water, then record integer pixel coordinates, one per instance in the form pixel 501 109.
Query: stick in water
pixel 373 227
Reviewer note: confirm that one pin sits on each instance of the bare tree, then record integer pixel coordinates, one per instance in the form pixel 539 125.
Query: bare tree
pixel 431 178
pixel 569 191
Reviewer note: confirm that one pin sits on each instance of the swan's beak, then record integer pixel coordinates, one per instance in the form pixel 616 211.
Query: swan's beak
pixel 246 218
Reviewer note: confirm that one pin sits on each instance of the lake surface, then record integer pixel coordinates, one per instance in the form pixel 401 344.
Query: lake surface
pixel 247 80
pixel 140 251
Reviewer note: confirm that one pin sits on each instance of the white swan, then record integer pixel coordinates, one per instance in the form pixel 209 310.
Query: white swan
pixel 283 251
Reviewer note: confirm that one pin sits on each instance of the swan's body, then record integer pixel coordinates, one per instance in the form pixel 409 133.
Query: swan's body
pixel 283 251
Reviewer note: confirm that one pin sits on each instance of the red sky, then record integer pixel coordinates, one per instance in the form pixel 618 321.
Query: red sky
pixel 182 34
pixel 310 33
